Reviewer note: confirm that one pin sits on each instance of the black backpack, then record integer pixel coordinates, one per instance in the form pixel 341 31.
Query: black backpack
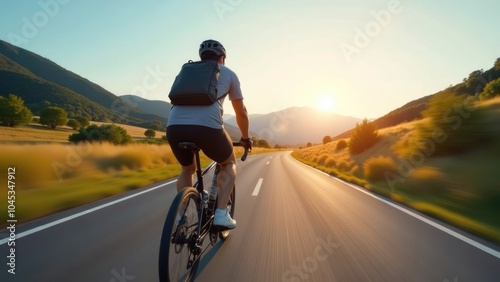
pixel 196 84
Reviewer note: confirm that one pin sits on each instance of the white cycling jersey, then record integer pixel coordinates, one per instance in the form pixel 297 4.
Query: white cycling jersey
pixel 210 116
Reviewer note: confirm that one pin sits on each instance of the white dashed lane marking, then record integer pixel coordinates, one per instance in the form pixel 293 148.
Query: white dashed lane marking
pixel 257 187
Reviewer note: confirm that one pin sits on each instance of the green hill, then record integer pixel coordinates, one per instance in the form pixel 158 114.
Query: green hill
pixel 157 107
pixel 471 85
pixel 31 89
pixel 41 82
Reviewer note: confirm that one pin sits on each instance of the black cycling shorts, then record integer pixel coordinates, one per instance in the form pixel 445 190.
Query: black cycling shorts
pixel 215 143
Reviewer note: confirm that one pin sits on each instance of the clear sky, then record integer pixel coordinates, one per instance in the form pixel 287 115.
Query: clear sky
pixel 356 58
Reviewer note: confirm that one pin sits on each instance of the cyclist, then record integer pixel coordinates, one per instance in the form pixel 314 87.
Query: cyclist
pixel 204 126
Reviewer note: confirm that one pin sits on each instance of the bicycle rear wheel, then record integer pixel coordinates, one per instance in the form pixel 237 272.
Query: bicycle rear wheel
pixel 230 206
pixel 177 262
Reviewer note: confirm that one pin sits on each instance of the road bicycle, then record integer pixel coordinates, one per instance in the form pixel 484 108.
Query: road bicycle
pixel 189 222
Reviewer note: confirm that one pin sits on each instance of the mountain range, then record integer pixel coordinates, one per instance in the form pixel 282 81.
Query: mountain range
pixel 157 107
pixel 291 126
pixel 41 83
pixel 297 125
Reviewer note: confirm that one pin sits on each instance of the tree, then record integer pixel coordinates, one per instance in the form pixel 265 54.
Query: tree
pixel 104 133
pixel 454 124
pixel 327 139
pixel 150 133
pixel 263 143
pixel 13 112
pixel 73 123
pixel 255 141
pixel 341 144
pixel 363 137
pixel 84 122
pixel 155 125
pixel 53 116
pixel 491 90
pixel 474 83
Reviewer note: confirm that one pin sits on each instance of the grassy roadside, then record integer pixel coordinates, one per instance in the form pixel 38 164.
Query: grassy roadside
pixel 334 171
pixel 482 221
pixel 52 197
pixel 460 189
pixel 52 177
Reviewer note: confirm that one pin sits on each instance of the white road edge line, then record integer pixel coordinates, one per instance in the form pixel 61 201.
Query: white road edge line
pixel 419 217
pixel 62 220
pixel 257 187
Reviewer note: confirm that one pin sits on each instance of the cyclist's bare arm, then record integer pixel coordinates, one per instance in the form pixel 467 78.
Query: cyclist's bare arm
pixel 241 117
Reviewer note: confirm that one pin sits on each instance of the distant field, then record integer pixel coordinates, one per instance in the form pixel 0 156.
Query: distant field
pixel 34 132
pixel 134 131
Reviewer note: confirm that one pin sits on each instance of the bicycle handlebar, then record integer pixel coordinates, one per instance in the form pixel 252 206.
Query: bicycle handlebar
pixel 245 154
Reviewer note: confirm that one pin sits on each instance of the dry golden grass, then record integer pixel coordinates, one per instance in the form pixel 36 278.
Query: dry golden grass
pixel 491 103
pixel 332 160
pixel 41 164
pixel 426 173
pixel 35 133
pixel 458 189
pixel 375 168
pixel 329 156
pixel 54 177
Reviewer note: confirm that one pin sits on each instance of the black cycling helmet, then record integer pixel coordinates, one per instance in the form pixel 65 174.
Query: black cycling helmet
pixel 214 46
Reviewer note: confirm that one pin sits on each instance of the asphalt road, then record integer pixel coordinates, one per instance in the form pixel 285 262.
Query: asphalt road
pixel 294 224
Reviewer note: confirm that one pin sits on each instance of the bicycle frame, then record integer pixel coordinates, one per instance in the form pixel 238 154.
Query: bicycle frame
pixel 205 220
pixel 179 232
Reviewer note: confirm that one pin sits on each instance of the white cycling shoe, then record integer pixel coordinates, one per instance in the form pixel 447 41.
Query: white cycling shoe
pixel 223 219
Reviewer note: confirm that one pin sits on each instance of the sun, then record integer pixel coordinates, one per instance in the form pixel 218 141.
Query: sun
pixel 324 101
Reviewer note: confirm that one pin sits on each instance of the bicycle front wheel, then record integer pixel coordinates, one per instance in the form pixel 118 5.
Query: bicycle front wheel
pixel 178 259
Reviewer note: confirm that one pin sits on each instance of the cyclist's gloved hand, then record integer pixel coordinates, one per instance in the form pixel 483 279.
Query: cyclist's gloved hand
pixel 247 143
